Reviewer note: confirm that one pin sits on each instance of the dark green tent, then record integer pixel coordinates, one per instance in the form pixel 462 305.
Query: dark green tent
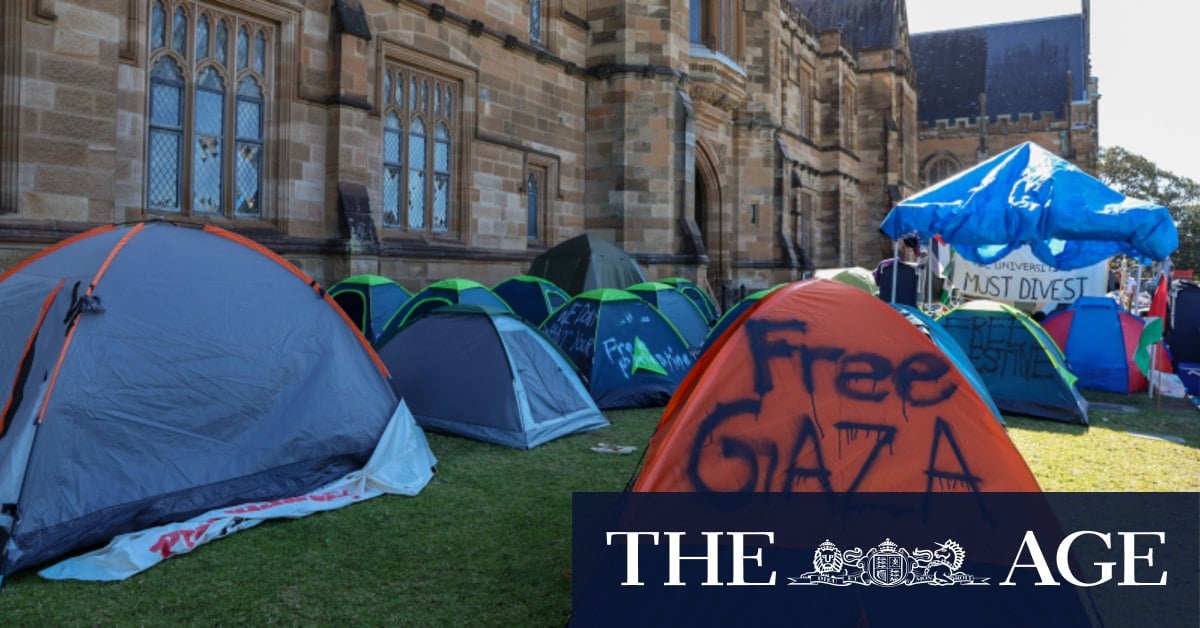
pixel 587 262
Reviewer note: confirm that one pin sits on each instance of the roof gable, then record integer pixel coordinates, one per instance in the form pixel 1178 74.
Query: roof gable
pixel 1021 66
pixel 865 24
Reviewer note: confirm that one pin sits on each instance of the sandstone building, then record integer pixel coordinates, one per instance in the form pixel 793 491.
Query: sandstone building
pixel 986 89
pixel 736 142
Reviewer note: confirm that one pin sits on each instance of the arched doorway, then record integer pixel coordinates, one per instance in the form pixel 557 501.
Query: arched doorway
pixel 709 219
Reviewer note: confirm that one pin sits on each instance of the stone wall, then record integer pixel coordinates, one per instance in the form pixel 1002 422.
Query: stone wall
pixel 618 117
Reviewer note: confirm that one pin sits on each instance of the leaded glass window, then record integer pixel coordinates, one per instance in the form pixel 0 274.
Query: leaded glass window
pixel 418 150
pixel 416 174
pixel 202 38
pixel 393 166
pixel 166 134
pixel 243 48
pixel 209 127
pixel 260 52
pixel 179 30
pixel 940 169
pixel 158 28
pixel 535 21
pixel 207 122
pixel 441 178
pixel 248 169
pixel 533 195
pixel 222 43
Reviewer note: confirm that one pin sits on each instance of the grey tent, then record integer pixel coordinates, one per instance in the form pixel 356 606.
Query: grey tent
pixel 587 262
pixel 153 372
pixel 485 374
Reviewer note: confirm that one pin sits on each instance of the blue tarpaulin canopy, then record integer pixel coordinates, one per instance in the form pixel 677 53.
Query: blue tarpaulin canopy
pixel 1027 195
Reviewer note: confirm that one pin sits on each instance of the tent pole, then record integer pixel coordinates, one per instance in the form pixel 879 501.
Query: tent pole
pixel 1137 291
pixel 930 260
pixel 1153 361
pixel 895 267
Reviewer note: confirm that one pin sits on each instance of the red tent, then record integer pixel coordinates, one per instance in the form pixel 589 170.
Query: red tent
pixel 822 386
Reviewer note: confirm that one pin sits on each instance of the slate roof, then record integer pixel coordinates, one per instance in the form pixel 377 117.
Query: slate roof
pixel 865 24
pixel 1021 66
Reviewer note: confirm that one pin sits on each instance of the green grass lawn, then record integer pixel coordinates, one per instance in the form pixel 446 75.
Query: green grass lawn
pixel 488 542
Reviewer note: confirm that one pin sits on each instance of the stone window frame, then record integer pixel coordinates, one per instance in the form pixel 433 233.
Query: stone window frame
pixel 717 25
pixel 941 163
pixel 537 23
pixel 544 169
pixel 909 143
pixel 804 78
pixel 535 203
pixel 806 207
pixel 849 134
pixel 279 86
pixel 390 55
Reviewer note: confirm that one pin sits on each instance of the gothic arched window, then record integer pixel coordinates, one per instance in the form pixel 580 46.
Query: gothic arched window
pixel 533 200
pixel 206 128
pixel 940 169
pixel 419 130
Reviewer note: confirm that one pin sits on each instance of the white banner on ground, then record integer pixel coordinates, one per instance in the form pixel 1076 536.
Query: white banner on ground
pixel 1021 276
pixel 399 465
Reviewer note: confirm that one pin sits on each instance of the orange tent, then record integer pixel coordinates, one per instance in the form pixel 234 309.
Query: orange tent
pixel 821 386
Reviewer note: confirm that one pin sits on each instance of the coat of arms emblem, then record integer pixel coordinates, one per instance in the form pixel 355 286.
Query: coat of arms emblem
pixel 888 565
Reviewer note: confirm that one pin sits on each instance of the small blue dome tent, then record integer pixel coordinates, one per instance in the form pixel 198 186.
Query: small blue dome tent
pixel 439 294
pixel 370 301
pixel 1024 370
pixel 531 298
pixel 688 319
pixel 485 374
pixel 630 355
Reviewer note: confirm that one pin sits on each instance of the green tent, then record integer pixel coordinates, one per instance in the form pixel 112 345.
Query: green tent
pixel 853 275
pixel 587 262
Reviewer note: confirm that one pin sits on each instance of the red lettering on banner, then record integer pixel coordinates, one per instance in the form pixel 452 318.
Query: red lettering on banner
pixel 189 537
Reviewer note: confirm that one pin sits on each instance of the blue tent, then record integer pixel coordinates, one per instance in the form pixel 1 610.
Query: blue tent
pixel 369 301
pixel 688 319
pixel 153 372
pixel 631 356
pixel 531 298
pixel 734 312
pixel 1024 370
pixel 1099 340
pixel 697 296
pixel 1027 195
pixel 439 294
pixel 483 373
